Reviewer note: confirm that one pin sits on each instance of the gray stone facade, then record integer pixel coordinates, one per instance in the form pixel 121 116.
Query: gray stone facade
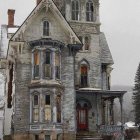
pixel 76 74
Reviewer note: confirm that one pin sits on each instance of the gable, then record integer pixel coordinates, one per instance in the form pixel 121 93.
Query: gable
pixel 45 10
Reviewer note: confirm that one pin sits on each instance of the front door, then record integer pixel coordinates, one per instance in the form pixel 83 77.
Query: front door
pixel 82 118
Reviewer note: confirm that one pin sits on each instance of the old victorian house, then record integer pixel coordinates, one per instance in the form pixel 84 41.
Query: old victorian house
pixel 59 73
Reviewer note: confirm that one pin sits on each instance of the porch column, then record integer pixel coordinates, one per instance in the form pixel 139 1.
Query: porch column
pixel 112 111
pixel 121 107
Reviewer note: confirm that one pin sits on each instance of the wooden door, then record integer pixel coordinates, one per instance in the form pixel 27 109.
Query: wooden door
pixel 82 118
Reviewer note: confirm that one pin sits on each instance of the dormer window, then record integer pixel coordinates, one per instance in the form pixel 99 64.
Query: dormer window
pixel 89 10
pixel 46 28
pixel 75 10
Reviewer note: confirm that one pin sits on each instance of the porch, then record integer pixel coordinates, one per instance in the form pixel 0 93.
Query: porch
pixel 95 111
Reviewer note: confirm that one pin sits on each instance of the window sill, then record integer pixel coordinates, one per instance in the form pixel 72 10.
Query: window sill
pixel 84 51
pixel 45 82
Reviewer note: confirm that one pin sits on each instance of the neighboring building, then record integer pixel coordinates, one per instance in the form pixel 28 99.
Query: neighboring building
pixel 1 118
pixel 5 70
pixel 59 66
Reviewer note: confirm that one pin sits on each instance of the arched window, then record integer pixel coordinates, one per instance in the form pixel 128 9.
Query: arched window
pixel 47 109
pixel 86 45
pixel 36 64
pixel 46 28
pixel 89 10
pixel 35 108
pixel 75 10
pixel 84 76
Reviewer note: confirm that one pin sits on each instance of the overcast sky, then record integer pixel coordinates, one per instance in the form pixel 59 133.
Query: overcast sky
pixel 121 24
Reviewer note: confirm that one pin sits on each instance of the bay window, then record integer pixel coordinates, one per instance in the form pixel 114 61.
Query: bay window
pixel 36 64
pixel 47 108
pixel 46 64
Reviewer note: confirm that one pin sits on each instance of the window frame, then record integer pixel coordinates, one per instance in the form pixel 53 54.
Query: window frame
pixel 34 107
pixel 47 107
pixel 75 12
pixel 89 11
pixel 46 28
pixel 34 65
pixel 86 84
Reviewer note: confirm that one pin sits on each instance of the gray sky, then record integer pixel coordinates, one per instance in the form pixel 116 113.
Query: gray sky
pixel 121 24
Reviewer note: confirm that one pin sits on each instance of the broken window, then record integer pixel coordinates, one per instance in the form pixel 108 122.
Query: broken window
pixel 84 76
pixel 89 10
pixel 36 64
pixel 58 105
pixel 47 108
pixel 75 10
pixel 35 108
pixel 46 28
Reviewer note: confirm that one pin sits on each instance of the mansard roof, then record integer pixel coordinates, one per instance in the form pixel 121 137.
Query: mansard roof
pixel 106 56
pixel 49 4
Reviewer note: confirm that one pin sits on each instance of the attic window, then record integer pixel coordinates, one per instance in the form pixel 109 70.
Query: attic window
pixel 46 28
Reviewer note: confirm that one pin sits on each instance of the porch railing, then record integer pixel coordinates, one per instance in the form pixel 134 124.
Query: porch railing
pixel 111 130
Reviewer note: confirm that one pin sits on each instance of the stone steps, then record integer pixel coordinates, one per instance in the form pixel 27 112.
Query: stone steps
pixel 88 136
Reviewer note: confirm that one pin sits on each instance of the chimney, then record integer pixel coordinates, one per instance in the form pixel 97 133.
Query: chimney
pixel 38 1
pixel 11 13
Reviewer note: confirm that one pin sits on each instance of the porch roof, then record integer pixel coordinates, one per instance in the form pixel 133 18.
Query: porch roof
pixel 103 93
